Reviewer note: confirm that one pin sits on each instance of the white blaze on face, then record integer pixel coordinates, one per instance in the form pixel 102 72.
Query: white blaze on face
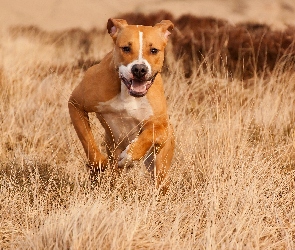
pixel 140 59
pixel 140 53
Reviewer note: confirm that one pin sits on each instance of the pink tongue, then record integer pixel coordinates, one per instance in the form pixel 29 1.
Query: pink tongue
pixel 138 86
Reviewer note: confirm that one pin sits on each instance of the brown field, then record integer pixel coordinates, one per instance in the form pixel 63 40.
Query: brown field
pixel 232 105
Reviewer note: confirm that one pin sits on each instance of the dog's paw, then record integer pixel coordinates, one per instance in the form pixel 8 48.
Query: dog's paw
pixel 125 159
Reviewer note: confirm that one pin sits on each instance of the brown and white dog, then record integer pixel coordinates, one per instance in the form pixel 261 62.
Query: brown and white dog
pixel 125 90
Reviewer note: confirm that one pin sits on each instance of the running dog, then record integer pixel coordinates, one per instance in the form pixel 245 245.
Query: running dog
pixel 125 90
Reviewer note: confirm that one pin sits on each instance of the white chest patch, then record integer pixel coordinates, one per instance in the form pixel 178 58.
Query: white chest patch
pixel 125 104
pixel 124 113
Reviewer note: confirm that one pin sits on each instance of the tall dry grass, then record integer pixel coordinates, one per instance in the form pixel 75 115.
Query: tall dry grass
pixel 232 174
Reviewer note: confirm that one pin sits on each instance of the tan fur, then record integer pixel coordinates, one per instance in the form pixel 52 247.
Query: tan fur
pixel 128 137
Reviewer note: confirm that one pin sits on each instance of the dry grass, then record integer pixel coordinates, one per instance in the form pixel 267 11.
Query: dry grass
pixel 232 175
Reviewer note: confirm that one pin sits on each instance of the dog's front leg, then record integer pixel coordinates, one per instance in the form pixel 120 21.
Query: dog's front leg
pixel 80 119
pixel 161 138
pixel 153 135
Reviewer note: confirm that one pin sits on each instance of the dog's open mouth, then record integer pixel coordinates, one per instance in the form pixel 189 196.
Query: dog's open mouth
pixel 136 87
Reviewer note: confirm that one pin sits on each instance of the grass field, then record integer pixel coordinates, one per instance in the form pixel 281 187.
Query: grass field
pixel 232 176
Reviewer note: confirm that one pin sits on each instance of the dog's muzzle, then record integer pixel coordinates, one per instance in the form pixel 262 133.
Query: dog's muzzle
pixel 138 87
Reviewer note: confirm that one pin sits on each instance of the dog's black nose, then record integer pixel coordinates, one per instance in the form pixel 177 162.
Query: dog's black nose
pixel 139 70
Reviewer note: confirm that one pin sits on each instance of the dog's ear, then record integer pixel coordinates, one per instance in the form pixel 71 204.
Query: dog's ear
pixel 165 26
pixel 114 25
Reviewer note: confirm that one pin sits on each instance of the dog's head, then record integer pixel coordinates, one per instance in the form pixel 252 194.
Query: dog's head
pixel 138 52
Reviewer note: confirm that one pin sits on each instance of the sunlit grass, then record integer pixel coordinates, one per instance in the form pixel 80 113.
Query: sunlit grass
pixel 232 174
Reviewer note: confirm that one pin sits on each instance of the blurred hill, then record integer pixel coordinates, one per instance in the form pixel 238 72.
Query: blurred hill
pixel 64 14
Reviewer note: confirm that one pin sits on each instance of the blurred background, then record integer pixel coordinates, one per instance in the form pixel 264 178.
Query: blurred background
pixel 63 14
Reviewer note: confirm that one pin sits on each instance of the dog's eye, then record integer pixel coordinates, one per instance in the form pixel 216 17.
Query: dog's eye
pixel 126 49
pixel 154 51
